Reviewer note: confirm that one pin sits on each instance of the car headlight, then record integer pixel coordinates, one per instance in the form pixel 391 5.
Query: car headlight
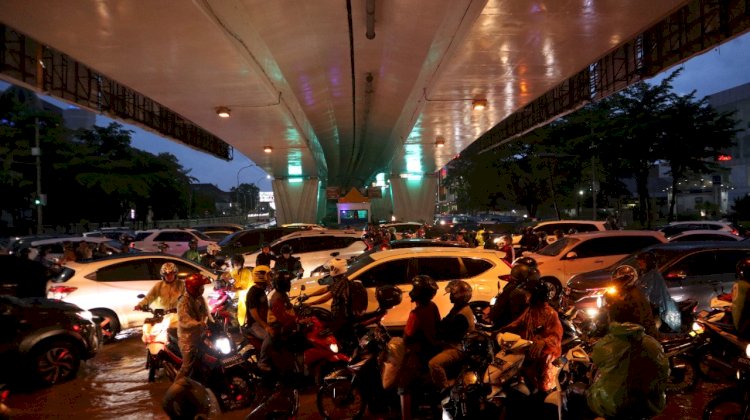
pixel 222 344
pixel 698 328
pixel 747 350
pixel 611 290
pixel 88 316
pixel 599 301
pixel 334 347
pixel 592 312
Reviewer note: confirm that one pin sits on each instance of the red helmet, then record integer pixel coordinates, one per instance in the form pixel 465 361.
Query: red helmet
pixel 194 282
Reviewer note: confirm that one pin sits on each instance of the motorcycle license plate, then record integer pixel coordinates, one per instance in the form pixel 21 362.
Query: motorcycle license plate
pixel 230 361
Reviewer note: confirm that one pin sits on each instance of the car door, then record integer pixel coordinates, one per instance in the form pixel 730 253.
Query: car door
pixel 177 241
pixel 394 272
pixel 702 275
pixel 118 287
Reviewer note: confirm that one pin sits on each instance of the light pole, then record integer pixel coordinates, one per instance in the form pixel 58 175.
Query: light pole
pixel 237 191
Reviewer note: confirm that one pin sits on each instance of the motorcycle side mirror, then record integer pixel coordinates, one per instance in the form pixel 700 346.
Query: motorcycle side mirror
pixel 141 296
pixel 302 288
pixel 335 254
pixel 571 255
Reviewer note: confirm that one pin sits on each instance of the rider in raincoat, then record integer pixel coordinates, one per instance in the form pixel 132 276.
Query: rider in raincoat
pixel 653 285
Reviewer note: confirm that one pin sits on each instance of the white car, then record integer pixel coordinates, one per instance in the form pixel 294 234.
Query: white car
pixel 705 235
pixel 674 228
pixel 484 270
pixel 315 247
pixel 584 252
pixel 109 287
pixel 580 226
pixel 177 240
pixel 55 245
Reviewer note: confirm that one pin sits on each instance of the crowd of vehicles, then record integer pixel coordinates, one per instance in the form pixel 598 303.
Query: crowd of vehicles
pixel 89 302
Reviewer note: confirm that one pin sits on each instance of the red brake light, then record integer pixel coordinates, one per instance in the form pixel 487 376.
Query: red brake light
pixel 735 232
pixel 4 395
pixel 59 292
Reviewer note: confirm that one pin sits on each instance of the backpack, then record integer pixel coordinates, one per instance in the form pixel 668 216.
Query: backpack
pixel 357 297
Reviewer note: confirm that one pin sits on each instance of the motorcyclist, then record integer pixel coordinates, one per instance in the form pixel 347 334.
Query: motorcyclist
pixel 287 262
pixel 243 280
pixel 741 299
pixel 256 320
pixel 513 300
pixel 540 324
pixel 420 338
pixel 192 316
pixel 192 253
pixel 452 328
pixel 282 319
pixel 480 236
pixel 628 303
pixel 266 256
pixel 529 240
pixel 210 260
pixel 654 287
pixel 506 246
pixel 126 243
pixel 338 294
pixel 165 293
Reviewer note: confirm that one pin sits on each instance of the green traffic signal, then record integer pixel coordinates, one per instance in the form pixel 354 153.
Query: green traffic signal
pixel 37 201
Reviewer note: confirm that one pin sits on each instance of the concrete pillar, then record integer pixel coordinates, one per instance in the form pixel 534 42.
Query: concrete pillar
pixel 414 199
pixel 296 202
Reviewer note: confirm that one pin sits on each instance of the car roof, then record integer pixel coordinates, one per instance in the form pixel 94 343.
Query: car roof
pixel 605 233
pixel 591 222
pixel 129 256
pixel 219 226
pixel 696 222
pixel 434 251
pixel 166 230
pixel 702 245
pixel 321 232
pixel 91 239
pixel 705 232
pixel 429 242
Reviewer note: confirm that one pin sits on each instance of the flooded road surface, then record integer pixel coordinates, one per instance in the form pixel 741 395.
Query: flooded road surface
pixel 113 385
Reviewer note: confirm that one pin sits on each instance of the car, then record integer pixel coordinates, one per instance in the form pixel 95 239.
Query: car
pixel 218 231
pixel 17 243
pixel 705 235
pixel 249 240
pixel 43 341
pixel 582 252
pixel 177 240
pixel 484 270
pixel 579 226
pixel 22 277
pixel 674 228
pixel 109 287
pixel 316 247
pixel 56 251
pixel 402 227
pixel 398 244
pixel 692 270
pixel 303 226
pixel 113 233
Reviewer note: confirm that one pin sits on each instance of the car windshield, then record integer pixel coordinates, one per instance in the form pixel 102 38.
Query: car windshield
pixel 555 248
pixel 201 235
pixel 359 263
pixel 229 238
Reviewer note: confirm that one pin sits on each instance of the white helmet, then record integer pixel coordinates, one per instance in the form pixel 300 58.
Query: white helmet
pixel 213 248
pixel 337 266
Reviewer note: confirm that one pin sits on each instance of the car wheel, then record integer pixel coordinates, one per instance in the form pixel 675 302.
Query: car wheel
pixel 555 289
pixel 108 322
pixel 54 361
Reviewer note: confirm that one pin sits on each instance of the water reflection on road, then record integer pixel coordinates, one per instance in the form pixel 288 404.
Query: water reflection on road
pixel 114 385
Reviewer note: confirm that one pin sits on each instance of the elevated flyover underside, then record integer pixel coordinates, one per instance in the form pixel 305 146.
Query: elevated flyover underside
pixel 303 77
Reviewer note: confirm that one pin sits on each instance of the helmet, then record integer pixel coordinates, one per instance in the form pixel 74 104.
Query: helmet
pixel 743 269
pixel 625 275
pixel 477 347
pixel 193 242
pixel 213 248
pixel 166 269
pixel 286 249
pixel 524 273
pixel 539 294
pixel 259 273
pixel 423 288
pixel 264 245
pixel 238 260
pixel 194 284
pixel 281 282
pixel 525 261
pixel 460 291
pixel 388 296
pixel 337 266
pixel 126 239
pixel 648 258
pixel 186 399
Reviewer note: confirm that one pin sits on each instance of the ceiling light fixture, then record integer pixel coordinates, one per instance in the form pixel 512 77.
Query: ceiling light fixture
pixel 479 104
pixel 439 142
pixel 223 112
pixel 267 149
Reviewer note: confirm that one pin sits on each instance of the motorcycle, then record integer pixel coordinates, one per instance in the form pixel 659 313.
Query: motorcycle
pixel 222 304
pixel 685 353
pixel 156 336
pixel 720 345
pixel 733 402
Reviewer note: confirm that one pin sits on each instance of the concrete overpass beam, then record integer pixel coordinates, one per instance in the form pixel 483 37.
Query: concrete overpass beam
pixel 296 202
pixel 414 199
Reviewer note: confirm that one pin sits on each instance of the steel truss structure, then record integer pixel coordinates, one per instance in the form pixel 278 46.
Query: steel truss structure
pixel 25 61
pixel 694 28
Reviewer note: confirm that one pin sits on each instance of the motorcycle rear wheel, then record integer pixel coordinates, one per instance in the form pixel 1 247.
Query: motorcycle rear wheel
pixel 340 400
pixel 683 375
pixel 723 408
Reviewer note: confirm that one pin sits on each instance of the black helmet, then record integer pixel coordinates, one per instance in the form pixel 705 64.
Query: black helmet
pixel 126 239
pixel 186 399
pixel 524 273
pixel 286 249
pixel 264 245
pixel 648 258
pixel 539 294
pixel 528 261
pixel 626 275
pixel 460 291
pixel 743 269
pixel 477 347
pixel 423 288
pixel 281 281
pixel 388 296
pixel 238 259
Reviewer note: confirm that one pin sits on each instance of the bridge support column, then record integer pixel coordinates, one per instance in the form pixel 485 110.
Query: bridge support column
pixel 296 202
pixel 414 199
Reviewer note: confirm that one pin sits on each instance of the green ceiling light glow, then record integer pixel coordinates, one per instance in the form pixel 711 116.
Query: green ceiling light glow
pixel 294 170
pixel 296 180
pixel 380 180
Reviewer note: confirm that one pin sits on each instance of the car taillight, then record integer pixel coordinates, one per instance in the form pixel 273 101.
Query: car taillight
pixel 735 232
pixel 60 292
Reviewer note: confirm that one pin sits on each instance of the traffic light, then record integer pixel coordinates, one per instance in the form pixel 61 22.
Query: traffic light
pixel 40 200
pixel 37 201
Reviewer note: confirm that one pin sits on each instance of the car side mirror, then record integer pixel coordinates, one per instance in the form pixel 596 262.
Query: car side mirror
pixel 571 255
pixel 335 254
pixel 141 296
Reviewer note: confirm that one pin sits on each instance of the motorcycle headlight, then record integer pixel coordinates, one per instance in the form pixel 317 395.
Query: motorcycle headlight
pixel 469 378
pixel 593 312
pixel 493 300
pixel 611 290
pixel 222 344
pixel 599 301
pixel 334 347
pixel 88 316
pixel 698 329
pixel 747 350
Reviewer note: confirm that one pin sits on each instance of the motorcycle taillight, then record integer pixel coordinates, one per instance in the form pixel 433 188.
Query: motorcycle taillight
pixel 60 292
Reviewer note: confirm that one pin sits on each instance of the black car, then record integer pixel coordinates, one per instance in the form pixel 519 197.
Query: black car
pixel 21 277
pixel 697 270
pixel 248 241
pixel 43 341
